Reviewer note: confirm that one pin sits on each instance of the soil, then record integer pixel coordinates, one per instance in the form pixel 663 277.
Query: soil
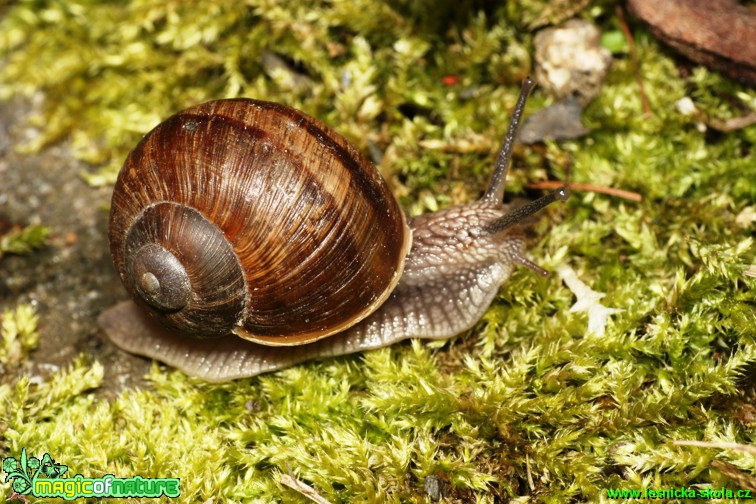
pixel 72 280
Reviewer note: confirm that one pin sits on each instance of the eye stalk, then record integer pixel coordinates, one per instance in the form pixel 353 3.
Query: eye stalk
pixel 495 192
pixel 519 214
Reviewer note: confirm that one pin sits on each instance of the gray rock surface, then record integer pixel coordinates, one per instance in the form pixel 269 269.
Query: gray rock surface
pixel 72 280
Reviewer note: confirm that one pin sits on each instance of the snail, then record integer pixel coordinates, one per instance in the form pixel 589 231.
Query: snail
pixel 252 238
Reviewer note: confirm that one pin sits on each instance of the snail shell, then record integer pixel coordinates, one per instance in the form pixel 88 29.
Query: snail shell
pixel 250 217
pixel 252 238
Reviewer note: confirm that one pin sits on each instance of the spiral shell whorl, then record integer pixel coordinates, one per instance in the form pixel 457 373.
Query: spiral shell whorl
pixel 160 278
pixel 180 264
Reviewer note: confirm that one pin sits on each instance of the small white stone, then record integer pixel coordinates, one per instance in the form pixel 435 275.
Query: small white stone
pixel 685 106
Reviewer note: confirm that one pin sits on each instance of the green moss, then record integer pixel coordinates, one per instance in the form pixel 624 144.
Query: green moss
pixel 528 403
pixel 18 335
pixel 23 241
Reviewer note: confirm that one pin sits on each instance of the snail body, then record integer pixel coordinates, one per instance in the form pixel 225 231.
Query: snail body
pixel 251 238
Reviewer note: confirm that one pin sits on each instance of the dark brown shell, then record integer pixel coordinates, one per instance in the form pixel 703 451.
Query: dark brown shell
pixel 261 190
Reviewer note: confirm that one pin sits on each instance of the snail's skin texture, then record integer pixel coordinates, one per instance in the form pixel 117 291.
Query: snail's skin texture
pixel 459 258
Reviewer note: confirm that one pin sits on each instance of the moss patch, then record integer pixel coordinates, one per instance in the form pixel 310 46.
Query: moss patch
pixel 526 405
pixel 23 240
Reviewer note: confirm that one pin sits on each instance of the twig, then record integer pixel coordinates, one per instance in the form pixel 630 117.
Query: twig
pixel 17 497
pixel 530 474
pixel 725 446
pixel 751 271
pixel 733 124
pixel 611 191
pixel 737 475
pixel 634 57
pixel 303 488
